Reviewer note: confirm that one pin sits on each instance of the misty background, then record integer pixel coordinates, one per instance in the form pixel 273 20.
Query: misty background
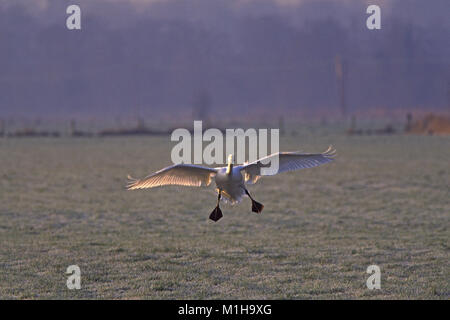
pixel 159 58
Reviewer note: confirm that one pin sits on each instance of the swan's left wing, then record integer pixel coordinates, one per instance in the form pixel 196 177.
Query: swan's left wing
pixel 288 161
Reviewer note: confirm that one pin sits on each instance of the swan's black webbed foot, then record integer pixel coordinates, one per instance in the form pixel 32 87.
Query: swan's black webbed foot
pixel 216 214
pixel 256 206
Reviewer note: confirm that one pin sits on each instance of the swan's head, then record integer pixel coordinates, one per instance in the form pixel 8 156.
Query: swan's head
pixel 230 164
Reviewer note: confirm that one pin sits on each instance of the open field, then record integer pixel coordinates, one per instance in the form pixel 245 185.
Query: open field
pixel 384 201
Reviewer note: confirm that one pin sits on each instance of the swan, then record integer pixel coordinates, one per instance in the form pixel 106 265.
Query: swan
pixel 230 180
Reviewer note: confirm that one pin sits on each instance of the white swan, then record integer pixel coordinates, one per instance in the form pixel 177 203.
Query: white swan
pixel 230 180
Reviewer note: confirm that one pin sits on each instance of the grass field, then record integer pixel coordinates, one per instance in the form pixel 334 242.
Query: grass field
pixel 384 201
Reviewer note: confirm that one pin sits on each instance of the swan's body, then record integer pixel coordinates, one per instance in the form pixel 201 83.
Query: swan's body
pixel 232 185
pixel 230 180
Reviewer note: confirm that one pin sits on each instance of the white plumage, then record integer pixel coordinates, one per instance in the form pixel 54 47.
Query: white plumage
pixel 230 180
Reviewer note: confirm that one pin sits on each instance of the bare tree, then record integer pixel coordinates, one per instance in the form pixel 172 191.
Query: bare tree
pixel 202 106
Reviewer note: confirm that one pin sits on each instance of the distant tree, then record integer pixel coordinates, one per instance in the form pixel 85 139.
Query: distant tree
pixel 202 106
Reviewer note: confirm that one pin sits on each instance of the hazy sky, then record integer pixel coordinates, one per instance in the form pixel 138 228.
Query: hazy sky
pixel 160 56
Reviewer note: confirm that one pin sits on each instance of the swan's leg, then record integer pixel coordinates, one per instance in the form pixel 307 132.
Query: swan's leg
pixel 217 213
pixel 256 206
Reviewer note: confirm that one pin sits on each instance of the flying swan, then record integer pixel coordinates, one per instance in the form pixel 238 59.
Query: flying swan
pixel 230 180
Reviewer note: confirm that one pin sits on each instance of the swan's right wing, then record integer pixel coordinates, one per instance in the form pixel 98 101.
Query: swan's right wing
pixel 179 174
pixel 288 161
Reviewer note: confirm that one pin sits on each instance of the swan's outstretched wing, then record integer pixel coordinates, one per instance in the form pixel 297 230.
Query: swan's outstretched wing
pixel 288 161
pixel 179 174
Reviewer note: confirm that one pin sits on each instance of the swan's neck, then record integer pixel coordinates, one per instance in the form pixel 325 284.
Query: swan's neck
pixel 230 165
